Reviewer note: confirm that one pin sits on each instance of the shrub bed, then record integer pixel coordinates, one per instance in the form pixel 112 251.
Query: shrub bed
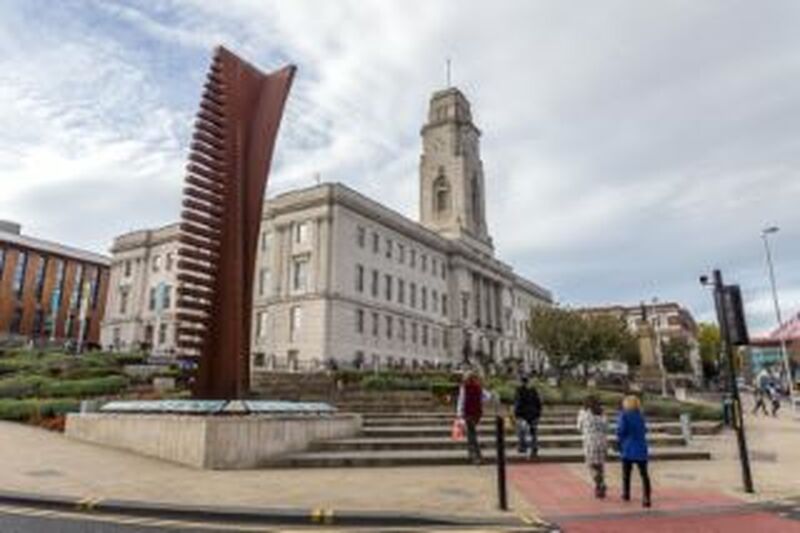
pixel 82 388
pixel 32 409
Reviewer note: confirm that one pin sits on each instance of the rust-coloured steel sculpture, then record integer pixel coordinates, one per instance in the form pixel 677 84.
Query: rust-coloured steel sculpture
pixel 231 150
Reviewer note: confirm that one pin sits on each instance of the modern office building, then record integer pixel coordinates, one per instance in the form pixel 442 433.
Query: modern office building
pixel 49 293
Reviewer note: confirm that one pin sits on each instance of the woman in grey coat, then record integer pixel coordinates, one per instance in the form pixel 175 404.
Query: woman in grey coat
pixel 593 427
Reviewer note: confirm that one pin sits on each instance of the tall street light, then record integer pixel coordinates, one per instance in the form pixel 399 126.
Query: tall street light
pixel 781 334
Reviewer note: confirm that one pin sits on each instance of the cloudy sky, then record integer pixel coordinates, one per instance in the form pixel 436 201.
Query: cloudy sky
pixel 628 146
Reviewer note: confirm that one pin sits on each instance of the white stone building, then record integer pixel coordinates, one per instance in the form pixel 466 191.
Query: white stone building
pixel 340 276
pixel 140 306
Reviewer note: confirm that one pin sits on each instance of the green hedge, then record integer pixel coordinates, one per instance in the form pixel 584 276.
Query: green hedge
pixel 20 410
pixel 82 388
pixel 21 386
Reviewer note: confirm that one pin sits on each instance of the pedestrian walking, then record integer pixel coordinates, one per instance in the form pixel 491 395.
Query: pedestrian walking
pixel 527 410
pixel 593 427
pixel 775 398
pixel 632 442
pixel 471 397
pixel 759 395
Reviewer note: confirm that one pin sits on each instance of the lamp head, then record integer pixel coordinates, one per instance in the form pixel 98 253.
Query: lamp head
pixel 770 229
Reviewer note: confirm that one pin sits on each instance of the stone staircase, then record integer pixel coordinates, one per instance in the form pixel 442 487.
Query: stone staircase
pixel 413 429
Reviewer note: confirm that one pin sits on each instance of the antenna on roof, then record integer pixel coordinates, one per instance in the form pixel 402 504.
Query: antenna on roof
pixel 448 74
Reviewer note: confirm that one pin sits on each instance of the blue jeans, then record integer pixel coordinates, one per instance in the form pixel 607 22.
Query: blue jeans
pixel 526 433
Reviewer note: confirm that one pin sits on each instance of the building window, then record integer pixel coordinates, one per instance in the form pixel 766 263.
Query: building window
pixel 435 301
pixel 123 300
pixel 434 270
pixel 300 274
pixel 465 305
pixel 414 332
pixel 401 291
pixel 261 324
pixel 264 281
pixel 58 286
pixel 401 325
pixel 389 247
pixel 413 295
pixel 149 334
pixel 444 304
pixel 39 283
pixel 425 335
pixel 389 324
pixel 75 300
pixel 412 262
pixel 376 242
pixel 166 297
pixel 295 322
pixel 360 278
pixel 259 359
pixel 359 321
pixel 375 277
pixel 434 338
pixel 152 300
pixel 423 259
pixel 388 280
pixel 375 324
pixel 127 268
pixel 301 233
pixel 444 269
pixel 361 237
pixel 94 287
pixel 18 283
pixel 424 298
pixel 156 263
pixel 2 261
pixel 162 333
pixel 445 339
pixel 266 242
pixel 170 259
pixel 401 253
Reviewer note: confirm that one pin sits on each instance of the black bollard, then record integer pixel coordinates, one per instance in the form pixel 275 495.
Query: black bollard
pixel 500 442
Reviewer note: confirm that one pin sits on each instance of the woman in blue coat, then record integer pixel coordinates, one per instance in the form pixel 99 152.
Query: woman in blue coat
pixel 632 442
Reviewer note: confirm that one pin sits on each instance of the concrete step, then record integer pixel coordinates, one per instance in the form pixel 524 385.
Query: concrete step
pixel 439 443
pixel 385 458
pixel 443 430
pixel 373 420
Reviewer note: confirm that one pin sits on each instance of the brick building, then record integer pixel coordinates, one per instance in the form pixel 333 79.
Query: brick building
pixel 49 292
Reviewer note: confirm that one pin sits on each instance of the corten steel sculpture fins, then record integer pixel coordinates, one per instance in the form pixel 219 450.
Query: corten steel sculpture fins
pixel 229 161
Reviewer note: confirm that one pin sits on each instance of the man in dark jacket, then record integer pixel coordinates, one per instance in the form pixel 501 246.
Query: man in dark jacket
pixel 527 409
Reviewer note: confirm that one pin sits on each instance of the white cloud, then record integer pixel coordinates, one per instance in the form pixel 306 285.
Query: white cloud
pixel 628 148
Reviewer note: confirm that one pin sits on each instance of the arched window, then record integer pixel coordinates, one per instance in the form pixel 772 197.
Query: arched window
pixel 441 193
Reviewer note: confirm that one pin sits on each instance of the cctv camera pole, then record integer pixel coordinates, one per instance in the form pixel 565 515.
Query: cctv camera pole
pixel 723 313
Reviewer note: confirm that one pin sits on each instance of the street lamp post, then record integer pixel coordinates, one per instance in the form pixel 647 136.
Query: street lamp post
pixel 787 365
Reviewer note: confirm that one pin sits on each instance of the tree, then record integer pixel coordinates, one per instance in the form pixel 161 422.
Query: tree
pixel 560 334
pixel 675 353
pixel 607 337
pixel 710 341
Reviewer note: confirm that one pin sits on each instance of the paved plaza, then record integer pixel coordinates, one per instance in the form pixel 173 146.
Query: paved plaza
pixel 699 495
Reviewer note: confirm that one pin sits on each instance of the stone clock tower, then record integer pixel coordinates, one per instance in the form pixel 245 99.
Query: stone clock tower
pixel 452 192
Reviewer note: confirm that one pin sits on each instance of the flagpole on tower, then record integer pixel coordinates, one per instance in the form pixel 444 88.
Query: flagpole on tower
pixel 448 73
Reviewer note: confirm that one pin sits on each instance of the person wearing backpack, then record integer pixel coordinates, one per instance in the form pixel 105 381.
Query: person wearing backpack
pixel 527 410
